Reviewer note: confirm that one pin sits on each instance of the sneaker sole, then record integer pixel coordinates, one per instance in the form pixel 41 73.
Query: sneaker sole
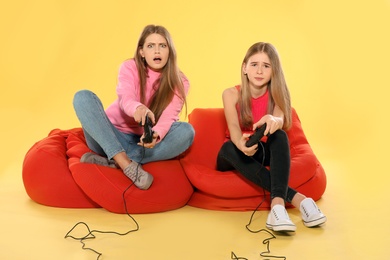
pixel 282 228
pixel 315 223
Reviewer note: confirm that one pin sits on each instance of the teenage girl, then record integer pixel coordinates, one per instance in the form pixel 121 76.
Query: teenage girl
pixel 263 98
pixel 149 85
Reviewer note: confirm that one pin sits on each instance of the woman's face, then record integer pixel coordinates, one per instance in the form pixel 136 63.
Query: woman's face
pixel 258 70
pixel 155 51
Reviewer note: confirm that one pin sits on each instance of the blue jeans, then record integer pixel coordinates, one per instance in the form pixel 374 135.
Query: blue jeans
pixel 276 154
pixel 105 139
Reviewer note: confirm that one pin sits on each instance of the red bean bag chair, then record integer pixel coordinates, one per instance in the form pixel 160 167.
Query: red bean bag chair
pixel 46 175
pixel 230 191
pixel 54 176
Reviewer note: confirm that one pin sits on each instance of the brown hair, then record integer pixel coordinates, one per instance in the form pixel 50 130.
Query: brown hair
pixel 169 83
pixel 277 87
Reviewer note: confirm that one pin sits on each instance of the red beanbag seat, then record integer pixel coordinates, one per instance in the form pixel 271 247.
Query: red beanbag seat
pixel 101 186
pixel 46 175
pixel 54 176
pixel 229 190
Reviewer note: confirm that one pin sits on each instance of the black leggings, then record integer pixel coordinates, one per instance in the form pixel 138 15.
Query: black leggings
pixel 276 155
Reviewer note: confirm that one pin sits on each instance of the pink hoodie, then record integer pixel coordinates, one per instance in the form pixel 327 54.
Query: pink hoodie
pixel 121 112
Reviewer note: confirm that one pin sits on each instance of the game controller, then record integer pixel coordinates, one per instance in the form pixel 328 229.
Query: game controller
pixel 256 136
pixel 148 131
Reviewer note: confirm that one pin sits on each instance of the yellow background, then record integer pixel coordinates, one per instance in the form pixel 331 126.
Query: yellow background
pixel 335 56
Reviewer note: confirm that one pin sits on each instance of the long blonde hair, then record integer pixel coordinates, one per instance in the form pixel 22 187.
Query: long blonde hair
pixel 169 83
pixel 277 87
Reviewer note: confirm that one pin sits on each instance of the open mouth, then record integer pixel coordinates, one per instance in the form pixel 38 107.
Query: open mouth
pixel 157 59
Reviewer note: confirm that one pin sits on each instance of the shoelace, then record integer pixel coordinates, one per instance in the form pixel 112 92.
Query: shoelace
pixel 133 172
pixel 277 216
pixel 311 208
pixel 304 211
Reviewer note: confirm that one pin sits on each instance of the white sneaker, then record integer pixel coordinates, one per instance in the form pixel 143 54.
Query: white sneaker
pixel 311 214
pixel 278 220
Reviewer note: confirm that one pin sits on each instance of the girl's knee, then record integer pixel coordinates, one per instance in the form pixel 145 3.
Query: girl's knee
pixel 81 96
pixel 278 135
pixel 227 147
pixel 187 131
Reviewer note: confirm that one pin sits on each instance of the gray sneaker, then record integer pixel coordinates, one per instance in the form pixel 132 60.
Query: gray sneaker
pixel 97 159
pixel 141 178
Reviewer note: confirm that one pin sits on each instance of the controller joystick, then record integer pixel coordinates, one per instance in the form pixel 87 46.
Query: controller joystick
pixel 148 131
pixel 256 136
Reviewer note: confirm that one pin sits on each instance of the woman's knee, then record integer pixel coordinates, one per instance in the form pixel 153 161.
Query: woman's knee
pixel 279 136
pixel 184 130
pixel 228 148
pixel 223 164
pixel 81 97
pixel 278 142
pixel 189 129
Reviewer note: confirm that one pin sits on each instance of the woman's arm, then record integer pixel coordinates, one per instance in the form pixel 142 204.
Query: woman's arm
pixel 171 112
pixel 230 98
pixel 128 88
pixel 278 117
pixel 274 121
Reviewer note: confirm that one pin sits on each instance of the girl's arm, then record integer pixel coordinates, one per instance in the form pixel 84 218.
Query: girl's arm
pixel 230 98
pixel 274 121
pixel 278 118
pixel 128 88
pixel 171 112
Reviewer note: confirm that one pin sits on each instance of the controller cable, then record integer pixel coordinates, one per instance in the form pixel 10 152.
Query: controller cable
pixel 90 234
pixel 266 241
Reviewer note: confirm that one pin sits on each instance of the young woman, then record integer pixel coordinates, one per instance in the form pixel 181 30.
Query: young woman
pixel 149 85
pixel 263 98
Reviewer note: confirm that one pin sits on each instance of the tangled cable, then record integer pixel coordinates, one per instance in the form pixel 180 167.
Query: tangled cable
pixel 90 233
pixel 266 241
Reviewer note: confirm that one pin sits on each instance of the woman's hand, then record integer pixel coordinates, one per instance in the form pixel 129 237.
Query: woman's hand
pixel 249 151
pixel 152 144
pixel 141 112
pixel 273 123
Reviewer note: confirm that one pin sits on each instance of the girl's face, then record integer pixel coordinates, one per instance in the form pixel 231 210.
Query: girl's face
pixel 258 70
pixel 155 51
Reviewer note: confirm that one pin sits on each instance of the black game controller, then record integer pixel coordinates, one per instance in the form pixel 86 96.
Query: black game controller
pixel 148 131
pixel 257 135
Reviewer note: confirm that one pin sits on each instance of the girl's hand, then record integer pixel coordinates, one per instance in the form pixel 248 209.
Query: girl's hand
pixel 141 112
pixel 273 123
pixel 149 145
pixel 249 151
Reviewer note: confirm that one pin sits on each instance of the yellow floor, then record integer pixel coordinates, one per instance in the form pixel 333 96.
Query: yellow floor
pixel 356 227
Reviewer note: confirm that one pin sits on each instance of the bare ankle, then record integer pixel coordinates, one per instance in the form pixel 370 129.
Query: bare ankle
pixel 277 201
pixel 122 160
pixel 297 199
